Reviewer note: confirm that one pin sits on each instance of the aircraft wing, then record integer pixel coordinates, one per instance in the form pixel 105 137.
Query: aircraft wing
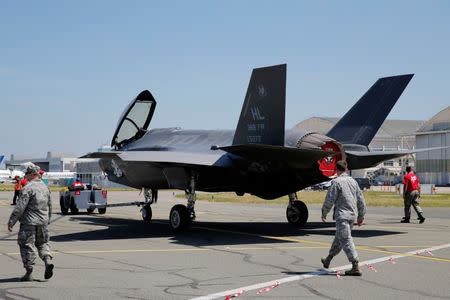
pixel 109 154
pixel 159 157
pixel 293 157
pixel 290 156
pixel 362 160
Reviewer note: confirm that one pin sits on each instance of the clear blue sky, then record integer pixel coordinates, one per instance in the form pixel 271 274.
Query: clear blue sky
pixel 68 68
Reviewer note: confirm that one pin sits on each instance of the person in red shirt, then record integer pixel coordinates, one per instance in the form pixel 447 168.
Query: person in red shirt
pixel 23 182
pixel 17 188
pixel 411 195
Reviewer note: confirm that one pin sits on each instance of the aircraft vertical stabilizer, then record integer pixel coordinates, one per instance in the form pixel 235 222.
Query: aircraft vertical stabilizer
pixel 263 112
pixel 360 124
pixel 1 158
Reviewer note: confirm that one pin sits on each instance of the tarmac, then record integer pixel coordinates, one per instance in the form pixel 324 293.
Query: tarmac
pixel 232 250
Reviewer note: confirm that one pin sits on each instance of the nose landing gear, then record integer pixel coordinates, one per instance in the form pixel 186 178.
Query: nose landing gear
pixel 151 196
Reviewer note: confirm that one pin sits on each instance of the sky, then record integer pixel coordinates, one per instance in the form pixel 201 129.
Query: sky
pixel 69 68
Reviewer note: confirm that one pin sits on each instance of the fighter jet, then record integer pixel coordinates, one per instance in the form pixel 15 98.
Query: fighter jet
pixel 260 157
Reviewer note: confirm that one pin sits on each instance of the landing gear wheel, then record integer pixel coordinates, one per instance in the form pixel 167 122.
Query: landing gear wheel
pixel 90 210
pixel 297 213
pixel 146 212
pixel 64 209
pixel 179 217
pixel 73 206
pixel 102 211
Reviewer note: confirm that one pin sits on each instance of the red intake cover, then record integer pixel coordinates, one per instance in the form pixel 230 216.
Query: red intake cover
pixel 327 165
pixel 313 140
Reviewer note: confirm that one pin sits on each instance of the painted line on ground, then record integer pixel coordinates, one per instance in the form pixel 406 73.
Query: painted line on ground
pixel 324 244
pixel 404 255
pixel 402 228
pixel 318 273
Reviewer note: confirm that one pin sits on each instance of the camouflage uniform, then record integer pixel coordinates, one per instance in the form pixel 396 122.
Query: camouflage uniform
pixel 33 211
pixel 412 198
pixel 345 194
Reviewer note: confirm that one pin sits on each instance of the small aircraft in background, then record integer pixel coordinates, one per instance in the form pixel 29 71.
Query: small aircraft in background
pixel 46 175
pixel 8 175
pixel 260 157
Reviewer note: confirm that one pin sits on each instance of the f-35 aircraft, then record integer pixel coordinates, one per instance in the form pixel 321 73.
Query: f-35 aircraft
pixel 260 157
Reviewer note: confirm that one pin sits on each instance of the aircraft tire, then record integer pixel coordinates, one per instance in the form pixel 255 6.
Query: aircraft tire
pixel 179 218
pixel 64 209
pixel 298 214
pixel 90 210
pixel 73 206
pixel 101 211
pixel 146 212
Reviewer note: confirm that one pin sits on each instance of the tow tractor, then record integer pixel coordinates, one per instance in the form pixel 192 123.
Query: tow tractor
pixel 91 198
pixel 88 197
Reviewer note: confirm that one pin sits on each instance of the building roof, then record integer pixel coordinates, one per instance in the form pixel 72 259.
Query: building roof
pixel 53 154
pixel 390 128
pixel 440 122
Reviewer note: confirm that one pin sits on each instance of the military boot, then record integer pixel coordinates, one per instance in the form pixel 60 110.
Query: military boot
pixel 421 218
pixel 404 220
pixel 354 271
pixel 326 261
pixel 48 267
pixel 27 276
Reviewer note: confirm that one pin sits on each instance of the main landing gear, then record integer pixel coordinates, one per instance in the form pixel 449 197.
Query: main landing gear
pixel 151 196
pixel 296 212
pixel 181 217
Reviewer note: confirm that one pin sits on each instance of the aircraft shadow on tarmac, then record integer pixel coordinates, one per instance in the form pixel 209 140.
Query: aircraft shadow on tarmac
pixel 13 279
pixel 204 233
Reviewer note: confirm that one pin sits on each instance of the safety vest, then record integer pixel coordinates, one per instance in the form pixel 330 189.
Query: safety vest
pixel 18 185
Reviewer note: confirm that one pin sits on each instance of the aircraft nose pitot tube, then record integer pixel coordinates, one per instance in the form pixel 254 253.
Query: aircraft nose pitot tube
pixel 326 165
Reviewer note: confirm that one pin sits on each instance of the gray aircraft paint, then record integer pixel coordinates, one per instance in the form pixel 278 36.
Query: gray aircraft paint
pixel 260 157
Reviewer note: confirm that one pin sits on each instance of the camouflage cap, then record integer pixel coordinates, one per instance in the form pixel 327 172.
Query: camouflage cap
pixel 32 169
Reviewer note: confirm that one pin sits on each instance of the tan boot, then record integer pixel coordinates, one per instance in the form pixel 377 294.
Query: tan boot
pixel 421 218
pixel 326 261
pixel 48 267
pixel 354 271
pixel 27 276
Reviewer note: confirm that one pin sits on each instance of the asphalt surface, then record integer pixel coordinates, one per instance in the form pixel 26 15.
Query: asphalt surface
pixel 249 250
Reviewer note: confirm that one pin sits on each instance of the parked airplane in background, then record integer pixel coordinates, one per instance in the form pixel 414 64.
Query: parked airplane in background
pixel 259 158
pixel 59 175
pixel 47 175
pixel 9 175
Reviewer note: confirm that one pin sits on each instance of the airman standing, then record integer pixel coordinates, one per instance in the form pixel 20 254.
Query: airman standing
pixel 33 211
pixel 349 206
pixel 411 195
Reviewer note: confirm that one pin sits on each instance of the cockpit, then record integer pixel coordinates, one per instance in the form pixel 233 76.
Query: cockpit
pixel 134 120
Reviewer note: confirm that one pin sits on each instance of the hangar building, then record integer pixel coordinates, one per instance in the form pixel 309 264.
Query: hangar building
pixel 434 166
pixel 52 162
